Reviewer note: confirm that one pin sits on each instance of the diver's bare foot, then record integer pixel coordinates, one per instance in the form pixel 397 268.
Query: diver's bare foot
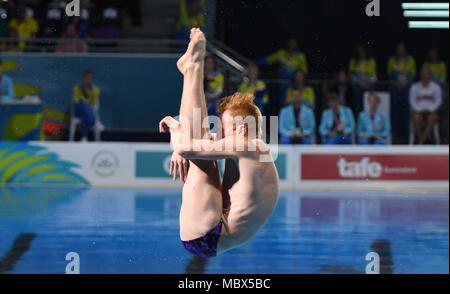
pixel 181 63
pixel 198 41
pixel 195 54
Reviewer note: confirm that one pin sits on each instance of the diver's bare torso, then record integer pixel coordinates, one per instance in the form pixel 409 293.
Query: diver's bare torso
pixel 250 190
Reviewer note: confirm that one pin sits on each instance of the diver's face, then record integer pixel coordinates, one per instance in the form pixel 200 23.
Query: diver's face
pixel 228 124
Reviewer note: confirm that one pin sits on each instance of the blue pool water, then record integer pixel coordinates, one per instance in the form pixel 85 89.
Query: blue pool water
pixel 136 231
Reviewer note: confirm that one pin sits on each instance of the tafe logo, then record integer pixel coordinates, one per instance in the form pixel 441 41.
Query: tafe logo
pixel 361 169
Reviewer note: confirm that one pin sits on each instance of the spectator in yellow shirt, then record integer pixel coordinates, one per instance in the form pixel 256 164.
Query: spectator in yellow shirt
pixel 363 75
pixel 437 67
pixel 289 60
pixel 401 68
pixel 25 27
pixel 401 72
pixel 86 101
pixel 191 16
pixel 214 84
pixel 308 94
pixel 254 86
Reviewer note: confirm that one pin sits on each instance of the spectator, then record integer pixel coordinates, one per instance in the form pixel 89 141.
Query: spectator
pixel 26 27
pixel 425 99
pixel 70 42
pixel 86 100
pixel 81 26
pixel 308 94
pixel 343 89
pixel 437 67
pixel 363 73
pixel 7 93
pixel 214 84
pixel 337 124
pixel 297 122
pixel 401 72
pixel 191 16
pixel 374 126
pixel 254 86
pixel 290 60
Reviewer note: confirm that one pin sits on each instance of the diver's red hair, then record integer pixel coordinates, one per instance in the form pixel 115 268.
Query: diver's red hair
pixel 240 104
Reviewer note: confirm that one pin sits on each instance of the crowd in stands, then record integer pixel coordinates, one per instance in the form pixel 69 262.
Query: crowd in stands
pixel 349 110
pixel 353 112
pixel 22 21
pixel 25 20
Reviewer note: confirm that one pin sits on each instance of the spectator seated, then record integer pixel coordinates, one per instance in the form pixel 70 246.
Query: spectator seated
pixel 84 112
pixel 297 122
pixel 425 100
pixel 254 86
pixel 337 124
pixel 374 127
pixel 308 93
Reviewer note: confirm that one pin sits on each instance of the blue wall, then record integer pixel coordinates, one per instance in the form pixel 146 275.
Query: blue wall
pixel 136 91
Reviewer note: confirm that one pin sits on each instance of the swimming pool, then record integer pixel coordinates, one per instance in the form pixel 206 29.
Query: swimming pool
pixel 136 231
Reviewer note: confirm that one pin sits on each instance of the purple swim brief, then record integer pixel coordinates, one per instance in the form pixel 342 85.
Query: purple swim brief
pixel 205 246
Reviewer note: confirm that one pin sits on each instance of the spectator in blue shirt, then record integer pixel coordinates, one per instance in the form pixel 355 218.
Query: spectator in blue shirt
pixel 297 122
pixel 6 87
pixel 338 123
pixel 374 126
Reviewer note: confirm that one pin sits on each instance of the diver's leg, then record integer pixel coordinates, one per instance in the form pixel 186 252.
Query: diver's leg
pixel 201 208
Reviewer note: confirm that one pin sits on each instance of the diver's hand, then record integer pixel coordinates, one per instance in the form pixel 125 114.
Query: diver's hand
pixel 168 124
pixel 179 165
